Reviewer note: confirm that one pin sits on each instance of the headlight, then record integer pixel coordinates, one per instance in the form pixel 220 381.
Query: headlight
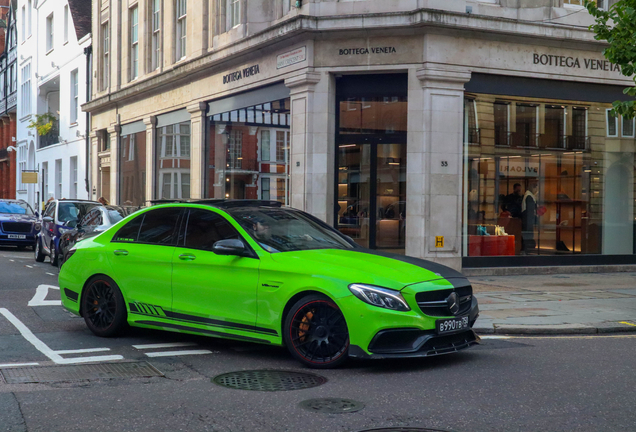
pixel 37 226
pixel 380 297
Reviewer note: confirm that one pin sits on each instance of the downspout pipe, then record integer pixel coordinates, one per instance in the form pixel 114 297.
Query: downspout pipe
pixel 88 52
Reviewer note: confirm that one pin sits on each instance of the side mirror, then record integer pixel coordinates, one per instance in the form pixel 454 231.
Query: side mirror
pixel 229 247
pixel 47 219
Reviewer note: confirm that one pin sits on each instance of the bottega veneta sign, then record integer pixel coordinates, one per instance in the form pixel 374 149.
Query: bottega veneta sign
pixel 575 62
pixel 240 74
pixel 364 51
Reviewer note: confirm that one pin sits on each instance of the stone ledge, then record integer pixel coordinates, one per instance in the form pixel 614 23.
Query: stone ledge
pixel 547 270
pixel 555 329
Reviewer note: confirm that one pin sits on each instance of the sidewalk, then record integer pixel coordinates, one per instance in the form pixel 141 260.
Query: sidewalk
pixel 556 304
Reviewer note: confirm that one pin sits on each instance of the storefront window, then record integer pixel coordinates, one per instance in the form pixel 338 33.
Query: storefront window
pixel 248 153
pixel 132 167
pixel 173 161
pixel 547 177
pixel 371 160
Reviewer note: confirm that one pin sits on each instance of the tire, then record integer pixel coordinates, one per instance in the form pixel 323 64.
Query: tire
pixel 60 261
pixel 37 250
pixel 103 307
pixel 53 255
pixel 316 332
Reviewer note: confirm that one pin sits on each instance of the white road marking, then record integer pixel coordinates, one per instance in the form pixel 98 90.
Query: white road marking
pixel 80 351
pixel 26 265
pixel 494 337
pixel 164 345
pixel 39 299
pixel 7 365
pixel 50 274
pixel 177 353
pixel 44 349
pixel 12 260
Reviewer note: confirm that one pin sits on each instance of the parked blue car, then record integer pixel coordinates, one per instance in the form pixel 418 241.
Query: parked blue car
pixel 18 224
pixel 59 217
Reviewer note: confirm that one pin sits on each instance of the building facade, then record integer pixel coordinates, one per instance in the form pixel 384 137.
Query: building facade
pixel 52 81
pixel 419 127
pixel 8 100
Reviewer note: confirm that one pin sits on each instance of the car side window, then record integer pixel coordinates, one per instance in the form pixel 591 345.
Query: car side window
pixel 159 226
pixel 204 228
pixel 92 218
pixel 129 232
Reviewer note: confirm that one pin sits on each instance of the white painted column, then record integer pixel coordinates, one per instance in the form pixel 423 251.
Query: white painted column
pixel 312 143
pixel 94 170
pixel 151 134
pixel 434 162
pixel 114 131
pixel 197 148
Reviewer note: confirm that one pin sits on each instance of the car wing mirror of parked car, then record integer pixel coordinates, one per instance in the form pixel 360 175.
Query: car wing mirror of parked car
pixel 47 219
pixel 230 247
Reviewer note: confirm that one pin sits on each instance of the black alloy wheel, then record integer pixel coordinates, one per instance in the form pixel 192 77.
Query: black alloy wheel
pixel 103 307
pixel 37 249
pixel 53 255
pixel 316 333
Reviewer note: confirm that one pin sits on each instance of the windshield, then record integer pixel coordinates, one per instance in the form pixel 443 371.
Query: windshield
pixel 15 207
pixel 69 211
pixel 280 230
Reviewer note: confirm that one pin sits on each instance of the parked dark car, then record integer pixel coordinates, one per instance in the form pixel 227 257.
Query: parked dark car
pixel 59 217
pixel 95 222
pixel 18 224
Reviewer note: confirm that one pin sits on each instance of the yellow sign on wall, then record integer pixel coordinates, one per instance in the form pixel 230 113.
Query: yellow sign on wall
pixel 29 177
pixel 439 241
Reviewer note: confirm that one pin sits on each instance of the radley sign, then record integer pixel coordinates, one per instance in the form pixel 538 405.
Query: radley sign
pixel 575 62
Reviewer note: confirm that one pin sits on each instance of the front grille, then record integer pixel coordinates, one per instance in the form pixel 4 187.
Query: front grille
pixel 16 227
pixel 433 303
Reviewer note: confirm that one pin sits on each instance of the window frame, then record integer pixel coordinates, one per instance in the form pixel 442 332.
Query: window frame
pixel 50 33
pixel 175 233
pixel 181 28
pixel 66 23
pixel 105 55
pixel 633 121
pixel 74 114
pixel 133 37
pixel 233 12
pixel 155 34
pixel 607 124
pixel 183 234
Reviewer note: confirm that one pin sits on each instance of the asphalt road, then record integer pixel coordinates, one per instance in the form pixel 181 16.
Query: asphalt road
pixel 582 383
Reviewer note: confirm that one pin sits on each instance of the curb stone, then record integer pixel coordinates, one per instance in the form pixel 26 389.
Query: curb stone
pixel 556 329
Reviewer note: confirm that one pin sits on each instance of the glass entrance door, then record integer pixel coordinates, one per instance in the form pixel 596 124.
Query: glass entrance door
pixel 371 160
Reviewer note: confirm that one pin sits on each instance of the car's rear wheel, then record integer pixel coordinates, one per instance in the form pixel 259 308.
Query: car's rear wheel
pixel 39 256
pixel 103 307
pixel 316 332
pixel 53 255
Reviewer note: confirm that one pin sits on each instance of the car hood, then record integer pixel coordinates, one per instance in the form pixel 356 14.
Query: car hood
pixel 366 266
pixel 10 217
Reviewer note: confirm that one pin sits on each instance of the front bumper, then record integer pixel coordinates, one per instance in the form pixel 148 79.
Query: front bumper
pixel 417 341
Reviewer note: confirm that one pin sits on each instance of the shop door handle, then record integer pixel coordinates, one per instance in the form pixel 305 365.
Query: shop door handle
pixel 187 257
pixel 120 252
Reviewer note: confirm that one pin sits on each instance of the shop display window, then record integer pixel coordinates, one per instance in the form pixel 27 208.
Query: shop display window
pixel 547 177
pixel 173 161
pixel 248 153
pixel 132 169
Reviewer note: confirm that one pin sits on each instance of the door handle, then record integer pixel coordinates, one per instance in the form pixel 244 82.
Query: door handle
pixel 187 257
pixel 120 252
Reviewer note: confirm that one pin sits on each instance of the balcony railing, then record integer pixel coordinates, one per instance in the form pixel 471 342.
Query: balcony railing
pixel 538 141
pixel 52 137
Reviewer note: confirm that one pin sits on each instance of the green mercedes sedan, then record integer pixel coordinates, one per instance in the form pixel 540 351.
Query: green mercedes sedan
pixel 255 271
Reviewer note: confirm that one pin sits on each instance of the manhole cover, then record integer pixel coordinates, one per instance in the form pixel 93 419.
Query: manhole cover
pixel 332 405
pixel 268 380
pixel 41 374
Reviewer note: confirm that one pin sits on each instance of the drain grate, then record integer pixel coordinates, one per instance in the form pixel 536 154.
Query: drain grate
pixel 43 374
pixel 332 405
pixel 268 380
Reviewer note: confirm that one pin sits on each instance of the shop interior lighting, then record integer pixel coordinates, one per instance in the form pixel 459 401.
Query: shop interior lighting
pixel 347 145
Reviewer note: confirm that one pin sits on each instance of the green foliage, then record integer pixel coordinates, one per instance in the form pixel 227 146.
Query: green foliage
pixel 617 26
pixel 43 123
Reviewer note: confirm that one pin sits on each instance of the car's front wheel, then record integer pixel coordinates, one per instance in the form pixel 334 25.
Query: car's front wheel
pixel 316 332
pixel 53 255
pixel 39 256
pixel 103 307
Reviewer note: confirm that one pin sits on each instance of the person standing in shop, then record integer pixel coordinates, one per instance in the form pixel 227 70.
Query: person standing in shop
pixel 513 201
pixel 529 217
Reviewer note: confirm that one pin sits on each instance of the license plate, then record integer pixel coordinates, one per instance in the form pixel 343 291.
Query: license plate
pixel 17 236
pixel 451 325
